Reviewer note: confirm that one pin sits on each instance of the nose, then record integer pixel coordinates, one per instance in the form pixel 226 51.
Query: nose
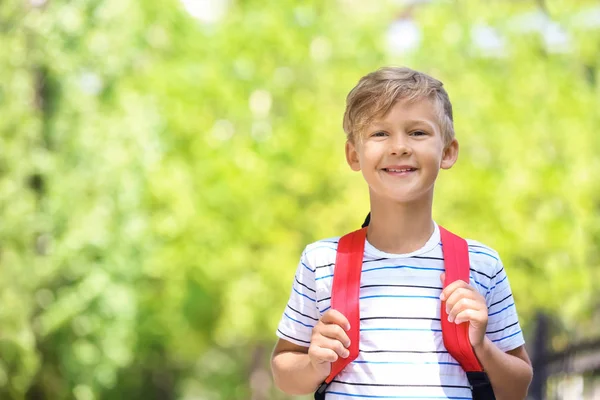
pixel 400 146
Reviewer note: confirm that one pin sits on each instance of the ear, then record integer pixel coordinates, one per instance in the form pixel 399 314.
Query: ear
pixel 352 156
pixel 450 155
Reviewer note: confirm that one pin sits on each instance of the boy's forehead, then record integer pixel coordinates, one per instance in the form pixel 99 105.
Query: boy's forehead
pixel 421 110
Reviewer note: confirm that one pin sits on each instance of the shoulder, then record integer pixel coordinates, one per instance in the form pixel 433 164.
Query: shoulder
pixel 321 252
pixel 322 246
pixel 483 258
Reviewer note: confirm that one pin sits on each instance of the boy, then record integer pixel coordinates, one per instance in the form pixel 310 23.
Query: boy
pixel 399 129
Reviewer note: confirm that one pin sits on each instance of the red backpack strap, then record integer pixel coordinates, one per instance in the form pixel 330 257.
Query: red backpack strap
pixel 345 296
pixel 456 337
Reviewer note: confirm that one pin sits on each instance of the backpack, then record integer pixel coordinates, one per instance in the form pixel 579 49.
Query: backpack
pixel 345 298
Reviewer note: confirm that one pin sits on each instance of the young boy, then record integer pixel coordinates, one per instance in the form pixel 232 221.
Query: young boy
pixel 399 129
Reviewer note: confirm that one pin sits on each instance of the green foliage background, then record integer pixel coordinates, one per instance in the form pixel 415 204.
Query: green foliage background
pixel 160 175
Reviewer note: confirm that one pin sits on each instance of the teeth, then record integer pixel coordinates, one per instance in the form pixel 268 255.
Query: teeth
pixel 399 170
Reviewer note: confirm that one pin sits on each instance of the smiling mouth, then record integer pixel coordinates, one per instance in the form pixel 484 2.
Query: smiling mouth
pixel 396 170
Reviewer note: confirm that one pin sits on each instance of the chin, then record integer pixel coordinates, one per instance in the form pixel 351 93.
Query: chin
pixel 405 198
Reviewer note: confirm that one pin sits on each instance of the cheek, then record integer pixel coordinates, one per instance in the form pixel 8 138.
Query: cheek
pixel 372 151
pixel 433 156
pixel 364 158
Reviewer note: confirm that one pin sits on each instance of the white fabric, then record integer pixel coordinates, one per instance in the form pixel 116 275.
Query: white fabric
pixel 402 355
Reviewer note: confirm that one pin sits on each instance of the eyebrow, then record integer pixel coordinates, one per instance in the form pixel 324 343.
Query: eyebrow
pixel 421 121
pixel 381 124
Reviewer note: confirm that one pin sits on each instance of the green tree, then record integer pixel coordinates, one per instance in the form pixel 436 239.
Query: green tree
pixel 160 175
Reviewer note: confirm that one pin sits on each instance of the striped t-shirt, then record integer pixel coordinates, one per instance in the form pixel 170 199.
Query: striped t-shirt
pixel 402 354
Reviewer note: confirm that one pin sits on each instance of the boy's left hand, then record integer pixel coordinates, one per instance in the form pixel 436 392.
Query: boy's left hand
pixel 465 304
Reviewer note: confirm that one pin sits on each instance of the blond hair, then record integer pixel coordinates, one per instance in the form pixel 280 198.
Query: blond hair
pixel 376 93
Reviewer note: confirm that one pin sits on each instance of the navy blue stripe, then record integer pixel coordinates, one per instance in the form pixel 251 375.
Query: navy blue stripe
pixel 419 257
pixel 428 258
pixel 476 252
pixel 390 267
pixel 505 328
pixel 302 284
pixel 404 286
pixel 498 302
pixel 408 267
pixel 441 259
pixel 298 312
pixel 399 296
pixel 364 262
pixel 484 253
pixel 306 266
pixel 400 329
pixel 432 297
pixel 405 266
pixel 323 277
pixel 319 247
pixel 396 385
pixel 303 295
pixel 411 318
pixel 506 337
pixel 398 397
pixel 498 312
pixel 376 259
pixel 300 322
pixel 479 246
pixel 494 287
pixel 291 337
pixel 498 273
pixel 326 265
pixel 480 273
pixel 480 284
pixel 408 363
pixel 405 351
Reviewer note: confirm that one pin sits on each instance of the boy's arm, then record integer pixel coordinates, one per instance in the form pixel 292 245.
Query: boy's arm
pixel 300 370
pixel 510 373
pixel 292 370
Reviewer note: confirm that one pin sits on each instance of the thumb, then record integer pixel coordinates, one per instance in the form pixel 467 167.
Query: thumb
pixel 443 277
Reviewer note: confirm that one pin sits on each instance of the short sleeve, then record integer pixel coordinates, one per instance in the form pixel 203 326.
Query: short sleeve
pixel 301 313
pixel 503 327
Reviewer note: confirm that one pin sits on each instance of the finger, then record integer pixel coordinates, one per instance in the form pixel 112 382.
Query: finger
pixel 335 332
pixel 332 344
pixel 448 290
pixel 457 295
pixel 456 308
pixel 332 316
pixel 443 277
pixel 465 292
pixel 462 305
pixel 475 317
pixel 321 354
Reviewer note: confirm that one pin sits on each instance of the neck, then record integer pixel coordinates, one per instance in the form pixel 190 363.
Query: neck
pixel 400 228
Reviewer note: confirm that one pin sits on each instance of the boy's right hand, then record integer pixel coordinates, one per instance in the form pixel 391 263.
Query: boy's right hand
pixel 329 341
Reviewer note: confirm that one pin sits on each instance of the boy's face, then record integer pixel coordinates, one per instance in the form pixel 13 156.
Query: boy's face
pixel 401 153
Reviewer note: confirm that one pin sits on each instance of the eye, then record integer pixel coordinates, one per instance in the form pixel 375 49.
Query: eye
pixel 418 133
pixel 379 134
